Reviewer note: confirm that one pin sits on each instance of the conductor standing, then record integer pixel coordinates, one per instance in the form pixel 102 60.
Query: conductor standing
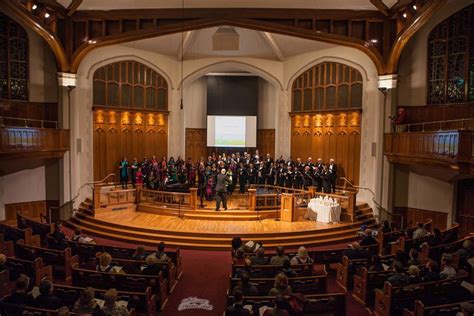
pixel 221 189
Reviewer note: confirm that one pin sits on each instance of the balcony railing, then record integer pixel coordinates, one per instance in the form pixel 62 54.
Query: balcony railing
pixel 27 139
pixel 449 148
pixel 26 122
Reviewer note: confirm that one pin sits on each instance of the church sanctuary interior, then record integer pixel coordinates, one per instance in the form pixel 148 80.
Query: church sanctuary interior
pixel 236 157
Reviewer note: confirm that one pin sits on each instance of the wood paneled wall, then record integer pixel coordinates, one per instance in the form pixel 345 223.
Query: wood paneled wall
pixel 465 205
pixel 132 134
pixel 28 110
pixel 329 135
pixel 196 143
pixel 30 209
pixel 266 142
pixel 415 215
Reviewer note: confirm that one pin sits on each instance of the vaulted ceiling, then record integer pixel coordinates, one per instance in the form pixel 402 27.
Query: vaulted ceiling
pixel 257 44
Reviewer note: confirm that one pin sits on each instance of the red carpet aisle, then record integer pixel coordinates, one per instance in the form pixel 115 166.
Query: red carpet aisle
pixel 206 277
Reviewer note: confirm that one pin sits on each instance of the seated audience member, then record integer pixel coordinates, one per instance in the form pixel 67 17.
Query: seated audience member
pixel 287 270
pixel 401 257
pixel 355 252
pixel 237 309
pixel 368 239
pixel 280 309
pixel 20 295
pixel 58 234
pixel 3 261
pixel 245 287
pixel 450 236
pixel 448 271
pixel 375 264
pixel 398 278
pixel 105 263
pixel 110 305
pixel 152 267
pixel 239 257
pixel 414 260
pixel 139 253
pixel 63 311
pixel 386 227
pixel 436 239
pixel 414 274
pixel 236 244
pixel 46 299
pixel 79 238
pixel 259 258
pixel 160 255
pixel 302 257
pixel 430 271
pixel 420 231
pixel 279 257
pixel 281 286
pixel 464 253
pixel 86 303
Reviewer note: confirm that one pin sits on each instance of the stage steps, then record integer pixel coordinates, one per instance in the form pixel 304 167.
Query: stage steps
pixel 219 241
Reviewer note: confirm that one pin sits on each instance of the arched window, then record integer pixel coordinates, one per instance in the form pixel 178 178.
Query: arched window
pixel 327 86
pixel 451 59
pixel 131 85
pixel 13 60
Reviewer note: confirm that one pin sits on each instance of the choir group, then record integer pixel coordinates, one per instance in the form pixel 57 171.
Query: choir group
pixel 242 169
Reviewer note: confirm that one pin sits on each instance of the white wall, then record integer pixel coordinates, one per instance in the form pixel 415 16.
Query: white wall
pixel 413 62
pixel 195 103
pixel 42 71
pixel 25 186
pixel 267 107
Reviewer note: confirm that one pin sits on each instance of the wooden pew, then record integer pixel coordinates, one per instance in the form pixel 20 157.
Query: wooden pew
pixel 87 252
pixel 34 269
pixel 271 271
pixel 135 265
pixel 37 227
pixel 7 247
pixel 5 284
pixel 121 282
pixel 348 268
pixel 142 302
pixel 307 285
pixel 316 304
pixel 444 309
pixel 436 252
pixel 61 260
pixel 33 311
pixel 366 283
pixel 384 240
pixel 11 233
pixel 393 299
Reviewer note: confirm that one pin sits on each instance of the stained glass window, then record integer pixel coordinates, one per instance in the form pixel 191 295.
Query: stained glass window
pixel 450 60
pixel 129 84
pixel 13 60
pixel 327 86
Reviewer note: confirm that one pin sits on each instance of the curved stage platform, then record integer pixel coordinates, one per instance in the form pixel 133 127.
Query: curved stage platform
pixel 207 229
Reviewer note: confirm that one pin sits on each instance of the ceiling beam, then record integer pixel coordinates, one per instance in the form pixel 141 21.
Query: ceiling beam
pixel 381 7
pixel 187 39
pixel 73 6
pixel 268 38
pixel 400 4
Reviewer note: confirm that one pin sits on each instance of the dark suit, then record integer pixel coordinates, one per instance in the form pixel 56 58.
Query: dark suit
pixel 221 191
pixel 332 177
pixel 48 301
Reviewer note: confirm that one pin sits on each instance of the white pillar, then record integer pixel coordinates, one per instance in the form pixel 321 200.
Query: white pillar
pixel 176 126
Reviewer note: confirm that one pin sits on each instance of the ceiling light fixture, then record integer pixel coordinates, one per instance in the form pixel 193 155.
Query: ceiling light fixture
pixel 34 7
pixel 374 41
pixel 46 15
pixel 404 15
pixel 414 7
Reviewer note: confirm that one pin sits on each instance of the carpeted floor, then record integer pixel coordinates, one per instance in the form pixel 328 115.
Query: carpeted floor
pixel 206 276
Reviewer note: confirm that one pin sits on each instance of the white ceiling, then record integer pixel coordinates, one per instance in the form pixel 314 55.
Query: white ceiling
pixel 148 4
pixel 252 44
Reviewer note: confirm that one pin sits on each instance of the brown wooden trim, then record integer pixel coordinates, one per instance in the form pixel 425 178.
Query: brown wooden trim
pixel 13 8
pixel 404 37
pixel 248 23
pixel 131 110
pixel 73 6
pixel 325 111
pixel 414 215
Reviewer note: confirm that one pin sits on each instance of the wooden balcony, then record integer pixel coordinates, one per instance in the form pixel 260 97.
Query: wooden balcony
pixel 447 149
pixel 32 143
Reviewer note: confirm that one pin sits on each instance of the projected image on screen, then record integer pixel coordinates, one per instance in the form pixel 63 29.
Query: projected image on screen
pixel 230 131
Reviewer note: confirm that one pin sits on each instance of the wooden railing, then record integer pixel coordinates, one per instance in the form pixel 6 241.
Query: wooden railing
pixel 454 148
pixel 103 196
pixel 168 199
pixel 28 139
pixel 439 112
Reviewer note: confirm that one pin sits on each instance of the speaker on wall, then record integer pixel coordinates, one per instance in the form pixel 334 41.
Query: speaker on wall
pixel 79 145
pixel 374 149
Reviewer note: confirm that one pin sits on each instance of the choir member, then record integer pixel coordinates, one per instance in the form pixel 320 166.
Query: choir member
pixel 124 172
pixel 332 174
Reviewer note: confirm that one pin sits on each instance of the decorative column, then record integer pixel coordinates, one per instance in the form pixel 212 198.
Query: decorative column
pixel 252 199
pixel 67 82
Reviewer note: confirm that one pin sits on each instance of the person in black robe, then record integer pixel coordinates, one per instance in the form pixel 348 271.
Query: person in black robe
pixel 252 174
pixel 332 175
pixel 271 172
pixel 243 176
pixel 325 177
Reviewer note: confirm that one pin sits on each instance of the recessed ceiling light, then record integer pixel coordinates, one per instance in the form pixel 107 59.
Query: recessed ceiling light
pixel 374 40
pixel 404 15
pixel 414 7
pixel 34 7
pixel 46 15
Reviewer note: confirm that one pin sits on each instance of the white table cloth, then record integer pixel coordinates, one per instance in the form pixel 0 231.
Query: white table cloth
pixel 323 213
